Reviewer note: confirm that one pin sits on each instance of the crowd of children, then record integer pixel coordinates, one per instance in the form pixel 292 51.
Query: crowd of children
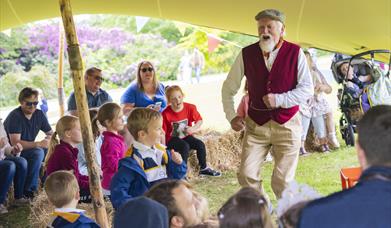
pixel 129 173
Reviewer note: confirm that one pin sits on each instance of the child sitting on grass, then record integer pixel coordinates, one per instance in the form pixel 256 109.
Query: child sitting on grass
pixel 147 161
pixel 63 192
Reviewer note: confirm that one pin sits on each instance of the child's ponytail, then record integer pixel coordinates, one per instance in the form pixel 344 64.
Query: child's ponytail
pixel 95 128
pixel 53 143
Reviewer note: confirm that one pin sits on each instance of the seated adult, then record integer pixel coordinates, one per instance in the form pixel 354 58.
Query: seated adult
pixel 146 92
pixel 12 168
pixel 179 200
pixel 95 95
pixel 22 126
pixel 368 203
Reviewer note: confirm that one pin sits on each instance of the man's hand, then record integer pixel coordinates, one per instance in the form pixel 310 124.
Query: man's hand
pixel 176 157
pixel 44 143
pixel 17 149
pixel 237 123
pixel 269 100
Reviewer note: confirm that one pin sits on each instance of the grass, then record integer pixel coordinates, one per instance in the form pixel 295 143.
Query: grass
pixel 321 171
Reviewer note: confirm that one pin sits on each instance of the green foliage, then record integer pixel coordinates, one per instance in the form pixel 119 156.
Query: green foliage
pixel 112 44
pixel 164 28
pixel 13 82
pixel 222 58
pixel 9 44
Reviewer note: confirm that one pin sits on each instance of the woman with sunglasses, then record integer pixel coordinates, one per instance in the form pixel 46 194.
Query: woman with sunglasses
pixel 147 91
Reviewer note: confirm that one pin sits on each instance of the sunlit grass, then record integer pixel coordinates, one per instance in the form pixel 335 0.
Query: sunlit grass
pixel 321 171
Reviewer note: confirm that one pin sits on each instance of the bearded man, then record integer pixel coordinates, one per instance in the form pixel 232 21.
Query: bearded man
pixel 278 81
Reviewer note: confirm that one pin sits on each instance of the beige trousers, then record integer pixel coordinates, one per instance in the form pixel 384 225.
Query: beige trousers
pixel 257 141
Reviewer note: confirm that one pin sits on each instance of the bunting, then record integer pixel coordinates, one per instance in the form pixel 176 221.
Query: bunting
pixel 140 22
pixel 213 42
pixel 181 27
pixel 7 32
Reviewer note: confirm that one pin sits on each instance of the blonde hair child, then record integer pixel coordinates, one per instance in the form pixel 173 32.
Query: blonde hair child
pixel 62 154
pixel 62 191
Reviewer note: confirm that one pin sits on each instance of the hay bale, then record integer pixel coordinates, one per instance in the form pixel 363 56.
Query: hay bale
pixel 41 210
pixel 311 142
pixel 10 196
pixel 223 151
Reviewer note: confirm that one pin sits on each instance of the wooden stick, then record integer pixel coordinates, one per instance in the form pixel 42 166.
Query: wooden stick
pixel 60 81
pixel 76 65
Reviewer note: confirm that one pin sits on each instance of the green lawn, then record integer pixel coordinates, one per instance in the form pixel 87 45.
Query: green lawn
pixel 320 171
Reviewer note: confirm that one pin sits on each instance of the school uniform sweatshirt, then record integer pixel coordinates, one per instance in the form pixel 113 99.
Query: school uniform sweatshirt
pixel 64 157
pixel 112 150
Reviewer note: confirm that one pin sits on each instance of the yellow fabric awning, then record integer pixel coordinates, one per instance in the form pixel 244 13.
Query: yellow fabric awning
pixel 347 26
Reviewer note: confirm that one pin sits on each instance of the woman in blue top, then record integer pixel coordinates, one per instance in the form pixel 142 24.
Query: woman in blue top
pixel 146 92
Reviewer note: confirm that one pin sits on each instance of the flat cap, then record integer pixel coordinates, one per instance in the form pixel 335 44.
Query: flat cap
pixel 272 14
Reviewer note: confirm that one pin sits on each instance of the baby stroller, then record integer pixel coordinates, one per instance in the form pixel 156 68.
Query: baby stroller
pixel 353 102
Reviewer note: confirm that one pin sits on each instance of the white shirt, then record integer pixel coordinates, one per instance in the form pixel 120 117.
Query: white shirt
pixel 68 210
pixel 304 88
pixel 158 172
pixel 7 148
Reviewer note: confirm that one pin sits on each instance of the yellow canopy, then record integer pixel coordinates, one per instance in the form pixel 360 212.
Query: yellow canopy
pixel 347 26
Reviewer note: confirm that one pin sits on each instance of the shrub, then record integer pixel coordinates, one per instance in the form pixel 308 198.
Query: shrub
pixel 13 82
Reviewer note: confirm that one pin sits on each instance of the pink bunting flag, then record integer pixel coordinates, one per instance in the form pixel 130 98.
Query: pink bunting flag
pixel 213 42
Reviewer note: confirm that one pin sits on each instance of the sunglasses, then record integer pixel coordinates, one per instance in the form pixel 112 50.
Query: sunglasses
pixel 150 69
pixel 99 78
pixel 28 103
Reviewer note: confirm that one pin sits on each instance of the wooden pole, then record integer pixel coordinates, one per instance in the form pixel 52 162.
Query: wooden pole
pixel 60 85
pixel 76 65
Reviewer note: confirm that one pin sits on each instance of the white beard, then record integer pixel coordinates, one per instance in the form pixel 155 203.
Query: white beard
pixel 267 45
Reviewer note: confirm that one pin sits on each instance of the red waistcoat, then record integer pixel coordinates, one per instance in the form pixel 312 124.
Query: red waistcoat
pixel 281 78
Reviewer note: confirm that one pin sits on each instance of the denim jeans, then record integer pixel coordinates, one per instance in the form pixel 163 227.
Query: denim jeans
pixel 319 126
pixel 7 173
pixel 34 159
pixel 20 175
pixel 197 72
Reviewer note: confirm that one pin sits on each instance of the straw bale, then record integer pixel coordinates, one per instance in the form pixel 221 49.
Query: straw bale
pixel 223 151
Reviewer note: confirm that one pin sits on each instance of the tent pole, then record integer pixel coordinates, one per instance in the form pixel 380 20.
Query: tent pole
pixel 60 69
pixel 76 66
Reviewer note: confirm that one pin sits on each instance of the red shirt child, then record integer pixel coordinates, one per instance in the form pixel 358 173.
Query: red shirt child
pixel 175 123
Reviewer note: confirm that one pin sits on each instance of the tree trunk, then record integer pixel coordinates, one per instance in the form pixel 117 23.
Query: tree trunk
pixel 76 66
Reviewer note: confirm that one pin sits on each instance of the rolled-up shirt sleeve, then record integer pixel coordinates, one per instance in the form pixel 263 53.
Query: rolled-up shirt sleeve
pixel 231 86
pixel 304 88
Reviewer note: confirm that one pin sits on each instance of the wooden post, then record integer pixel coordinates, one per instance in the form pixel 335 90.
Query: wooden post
pixel 76 65
pixel 60 81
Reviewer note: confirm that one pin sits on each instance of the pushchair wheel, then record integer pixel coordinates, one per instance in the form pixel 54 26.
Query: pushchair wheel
pixel 349 135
